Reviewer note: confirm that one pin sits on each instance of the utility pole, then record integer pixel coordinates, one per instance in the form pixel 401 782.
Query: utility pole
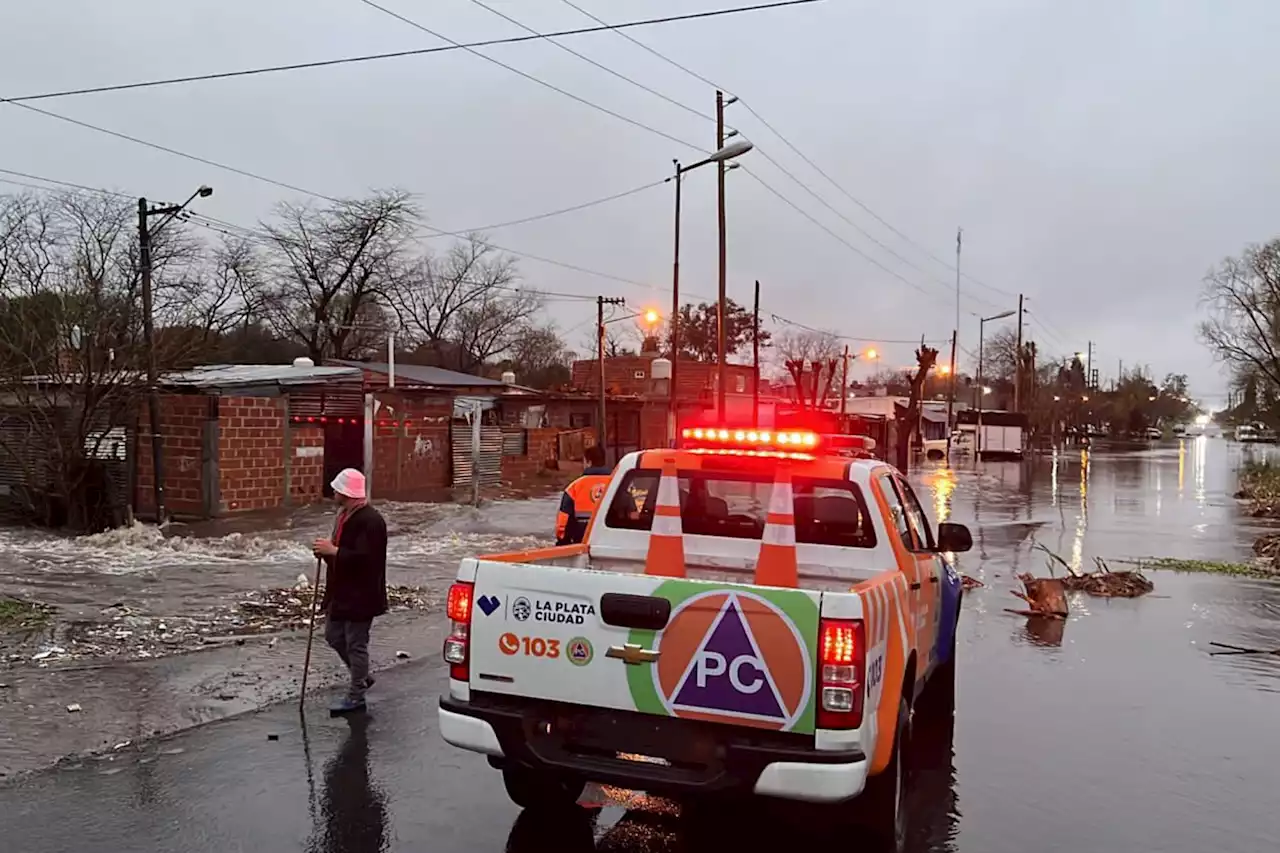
pixel 721 342
pixel 755 359
pixel 951 399
pixel 149 342
pixel 602 301
pixel 673 401
pixel 844 387
pixel 145 233
pixel 1088 366
pixel 955 336
pixel 1017 364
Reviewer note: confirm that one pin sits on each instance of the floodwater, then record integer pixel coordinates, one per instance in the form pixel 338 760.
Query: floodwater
pixel 1116 731
pixel 192 568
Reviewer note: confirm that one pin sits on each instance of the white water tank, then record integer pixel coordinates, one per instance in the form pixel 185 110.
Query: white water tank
pixel 660 368
pixel 508 377
pixel 303 361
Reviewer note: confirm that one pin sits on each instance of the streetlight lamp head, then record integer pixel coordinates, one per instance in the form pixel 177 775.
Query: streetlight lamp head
pixel 1000 316
pixel 871 353
pixel 734 149
pixel 944 369
pixel 986 390
pixel 652 317
pixel 205 191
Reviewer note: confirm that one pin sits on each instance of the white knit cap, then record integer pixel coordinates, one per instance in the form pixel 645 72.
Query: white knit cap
pixel 349 483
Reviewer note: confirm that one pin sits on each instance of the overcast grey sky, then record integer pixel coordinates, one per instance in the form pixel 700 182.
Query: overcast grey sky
pixel 1100 154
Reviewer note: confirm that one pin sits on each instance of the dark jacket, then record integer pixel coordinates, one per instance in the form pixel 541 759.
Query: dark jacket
pixel 356 589
pixel 579 502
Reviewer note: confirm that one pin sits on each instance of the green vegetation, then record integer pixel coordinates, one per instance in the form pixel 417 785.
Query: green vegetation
pixel 1217 567
pixel 18 614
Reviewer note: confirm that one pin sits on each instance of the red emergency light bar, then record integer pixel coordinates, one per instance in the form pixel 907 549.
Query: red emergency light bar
pixel 750 439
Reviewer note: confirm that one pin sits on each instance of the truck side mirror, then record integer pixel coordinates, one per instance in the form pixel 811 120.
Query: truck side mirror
pixel 954 538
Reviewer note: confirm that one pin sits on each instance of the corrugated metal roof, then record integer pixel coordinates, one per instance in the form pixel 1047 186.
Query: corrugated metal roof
pixel 239 375
pixel 423 375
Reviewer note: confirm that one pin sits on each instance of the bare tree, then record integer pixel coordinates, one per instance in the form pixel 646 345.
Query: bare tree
pixel 806 345
pixel 330 272
pixel 466 304
pixel 539 357
pixel 71 350
pixel 1243 297
pixel 1000 355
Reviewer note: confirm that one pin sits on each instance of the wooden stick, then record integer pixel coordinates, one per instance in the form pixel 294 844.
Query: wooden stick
pixel 311 632
pixel 1064 563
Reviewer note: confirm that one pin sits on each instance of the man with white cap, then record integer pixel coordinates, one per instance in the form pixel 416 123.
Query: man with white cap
pixel 355 592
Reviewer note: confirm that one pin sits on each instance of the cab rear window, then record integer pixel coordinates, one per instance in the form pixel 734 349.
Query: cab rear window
pixel 827 512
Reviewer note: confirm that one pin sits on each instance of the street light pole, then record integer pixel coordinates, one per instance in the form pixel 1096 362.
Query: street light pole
pixel 602 301
pixel 724 153
pixel 721 335
pixel 145 234
pixel 982 389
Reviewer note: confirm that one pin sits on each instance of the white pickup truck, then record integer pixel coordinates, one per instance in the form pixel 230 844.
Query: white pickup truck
pixel 767 632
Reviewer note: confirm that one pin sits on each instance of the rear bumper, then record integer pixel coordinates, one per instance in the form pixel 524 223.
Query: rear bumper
pixel 701 759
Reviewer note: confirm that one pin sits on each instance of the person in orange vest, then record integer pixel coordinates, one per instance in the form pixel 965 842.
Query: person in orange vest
pixel 581 497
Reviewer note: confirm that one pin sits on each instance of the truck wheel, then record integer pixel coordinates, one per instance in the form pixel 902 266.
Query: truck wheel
pixel 882 806
pixel 530 789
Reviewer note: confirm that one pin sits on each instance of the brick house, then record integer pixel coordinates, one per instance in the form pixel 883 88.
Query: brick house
pixel 427 455
pixel 248 437
pixel 638 405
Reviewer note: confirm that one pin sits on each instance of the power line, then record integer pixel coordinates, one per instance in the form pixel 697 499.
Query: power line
pixel 766 156
pixel 67 184
pixel 798 152
pixel 373 57
pixel 777 318
pixel 599 65
pixel 550 213
pixel 535 79
pixel 845 242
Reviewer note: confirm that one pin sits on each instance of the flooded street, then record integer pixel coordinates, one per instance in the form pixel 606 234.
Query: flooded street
pixel 195 567
pixel 1113 731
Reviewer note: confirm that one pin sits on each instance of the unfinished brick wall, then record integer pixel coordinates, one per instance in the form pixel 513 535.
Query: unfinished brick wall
pixel 251 453
pixel 538 459
pixel 411 462
pixel 182 418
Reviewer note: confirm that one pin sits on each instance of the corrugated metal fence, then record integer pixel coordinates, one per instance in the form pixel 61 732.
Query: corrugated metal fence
pixel 490 454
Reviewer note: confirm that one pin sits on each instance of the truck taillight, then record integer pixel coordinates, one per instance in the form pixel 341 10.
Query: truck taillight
pixel 456 651
pixel 842 656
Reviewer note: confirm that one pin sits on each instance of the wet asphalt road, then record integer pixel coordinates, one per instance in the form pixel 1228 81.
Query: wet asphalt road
pixel 1115 731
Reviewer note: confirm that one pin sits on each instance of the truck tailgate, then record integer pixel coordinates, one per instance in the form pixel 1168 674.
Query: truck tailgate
pixel 727 653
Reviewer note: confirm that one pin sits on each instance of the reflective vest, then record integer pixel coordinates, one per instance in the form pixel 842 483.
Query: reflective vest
pixel 578 502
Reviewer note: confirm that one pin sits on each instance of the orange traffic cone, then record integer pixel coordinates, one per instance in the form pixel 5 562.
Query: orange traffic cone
pixel 777 564
pixel 666 536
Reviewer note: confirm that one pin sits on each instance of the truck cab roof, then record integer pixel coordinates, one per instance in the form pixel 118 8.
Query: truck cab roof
pixel 842 514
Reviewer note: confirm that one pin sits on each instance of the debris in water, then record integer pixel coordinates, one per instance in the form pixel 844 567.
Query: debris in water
pixel 1045 597
pixel 74 708
pixel 121 745
pixel 273 737
pixel 402 654
pixel 1104 582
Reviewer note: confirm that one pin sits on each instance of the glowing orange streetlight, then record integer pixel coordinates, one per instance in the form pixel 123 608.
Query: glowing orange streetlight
pixel 871 353
pixel 652 317
pixel 944 369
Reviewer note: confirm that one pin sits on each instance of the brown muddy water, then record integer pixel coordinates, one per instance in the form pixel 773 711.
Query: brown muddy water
pixel 1116 731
